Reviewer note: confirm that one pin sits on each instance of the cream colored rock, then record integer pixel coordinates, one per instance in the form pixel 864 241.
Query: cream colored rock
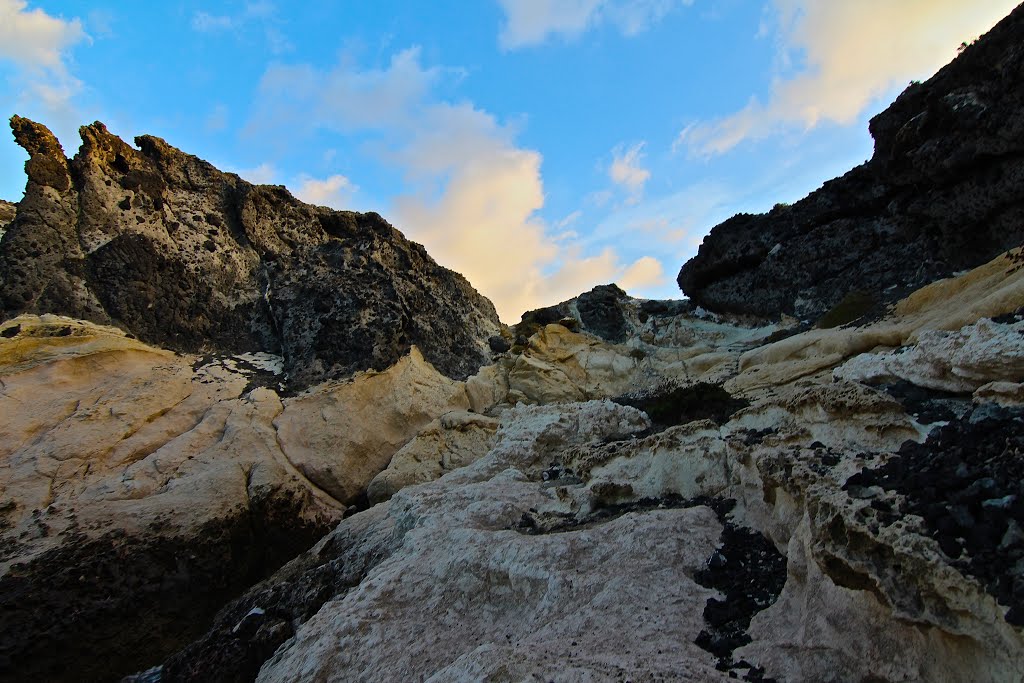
pixel 454 440
pixel 841 415
pixel 461 595
pixel 102 433
pixel 489 387
pixel 340 436
pixel 993 289
pixel 562 366
pixel 959 362
pixel 1005 394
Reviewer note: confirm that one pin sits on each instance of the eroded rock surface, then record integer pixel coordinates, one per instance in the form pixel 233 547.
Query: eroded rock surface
pixel 941 194
pixel 141 488
pixel 818 563
pixel 183 256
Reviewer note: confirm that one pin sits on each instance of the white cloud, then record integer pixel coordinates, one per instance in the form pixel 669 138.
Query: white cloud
pixel 33 39
pixel 853 51
pixel 37 45
pixel 262 15
pixel 334 191
pixel 474 194
pixel 644 273
pixel 344 98
pixel 264 174
pixel 626 170
pixel 531 22
pixel 569 220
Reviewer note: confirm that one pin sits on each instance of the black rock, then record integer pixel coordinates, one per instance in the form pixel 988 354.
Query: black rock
pixel 943 192
pixel 184 256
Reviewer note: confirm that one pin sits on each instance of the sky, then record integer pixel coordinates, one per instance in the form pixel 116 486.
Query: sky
pixel 538 147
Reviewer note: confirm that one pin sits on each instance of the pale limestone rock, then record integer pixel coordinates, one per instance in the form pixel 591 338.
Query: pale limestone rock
pixel 489 387
pixel 841 415
pixel 454 440
pixel 820 631
pixel 341 436
pixel 991 290
pixel 121 435
pixel 460 595
pixel 958 362
pixel 688 460
pixel 1002 393
pixel 987 291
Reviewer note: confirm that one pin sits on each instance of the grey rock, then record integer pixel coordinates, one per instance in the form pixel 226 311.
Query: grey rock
pixel 182 255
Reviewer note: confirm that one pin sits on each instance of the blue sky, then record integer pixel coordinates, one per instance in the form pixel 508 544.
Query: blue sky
pixel 539 147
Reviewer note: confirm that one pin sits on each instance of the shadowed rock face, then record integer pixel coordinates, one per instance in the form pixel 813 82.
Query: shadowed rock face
pixel 182 255
pixel 942 193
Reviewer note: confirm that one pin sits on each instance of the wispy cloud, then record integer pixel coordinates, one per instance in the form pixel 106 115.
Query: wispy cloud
pixel 334 191
pixel 532 22
pixel 37 45
pixel 261 14
pixel 473 193
pixel 852 52
pixel 627 172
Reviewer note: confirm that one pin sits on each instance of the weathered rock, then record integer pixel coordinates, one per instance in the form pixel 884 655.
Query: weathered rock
pixel 140 489
pixel 340 436
pixel 454 440
pixel 942 193
pixel 182 255
pixel 957 362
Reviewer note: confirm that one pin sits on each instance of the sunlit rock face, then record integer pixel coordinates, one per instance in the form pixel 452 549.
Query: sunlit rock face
pixel 165 246
pixel 941 194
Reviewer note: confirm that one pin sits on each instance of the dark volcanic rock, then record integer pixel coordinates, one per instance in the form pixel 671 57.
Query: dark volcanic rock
pixel 943 192
pixel 967 483
pixel 182 255
pixel 97 609
pixel 606 311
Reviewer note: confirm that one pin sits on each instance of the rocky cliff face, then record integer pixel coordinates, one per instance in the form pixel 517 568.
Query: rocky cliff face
pixel 184 256
pixel 629 490
pixel 795 508
pixel 941 194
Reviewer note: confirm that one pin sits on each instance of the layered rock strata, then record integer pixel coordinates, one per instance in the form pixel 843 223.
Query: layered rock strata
pixel 942 193
pixel 183 256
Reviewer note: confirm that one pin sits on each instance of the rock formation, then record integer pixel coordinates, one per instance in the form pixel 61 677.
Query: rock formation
pixel 249 439
pixel 181 255
pixel 783 538
pixel 941 194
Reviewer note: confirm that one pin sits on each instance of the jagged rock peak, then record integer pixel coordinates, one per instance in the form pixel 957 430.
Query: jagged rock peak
pixel 942 193
pixel 180 254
